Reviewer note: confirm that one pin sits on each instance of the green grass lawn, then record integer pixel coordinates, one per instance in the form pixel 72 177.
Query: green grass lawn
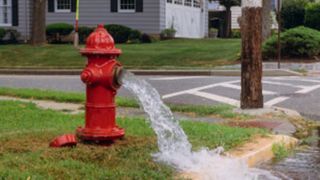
pixel 179 53
pixel 25 132
pixel 223 110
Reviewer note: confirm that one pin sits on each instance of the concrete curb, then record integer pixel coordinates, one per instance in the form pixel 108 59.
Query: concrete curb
pixel 269 72
pixel 267 110
pixel 260 150
pixel 253 153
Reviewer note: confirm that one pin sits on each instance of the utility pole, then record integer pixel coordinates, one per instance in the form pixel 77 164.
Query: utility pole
pixel 279 32
pixel 251 57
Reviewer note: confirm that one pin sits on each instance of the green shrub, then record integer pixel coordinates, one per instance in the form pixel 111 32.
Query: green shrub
pixel 280 151
pixel 2 33
pixel 236 33
pixel 213 33
pixel 56 31
pixel 135 36
pixel 168 33
pixel 146 38
pixel 312 17
pixel 59 28
pixel 11 36
pixel 296 42
pixel 119 33
pixel 84 32
pixel 293 13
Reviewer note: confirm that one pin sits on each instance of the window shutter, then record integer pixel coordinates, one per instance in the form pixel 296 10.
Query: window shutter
pixel 114 5
pixel 139 5
pixel 73 5
pixel 51 5
pixel 15 13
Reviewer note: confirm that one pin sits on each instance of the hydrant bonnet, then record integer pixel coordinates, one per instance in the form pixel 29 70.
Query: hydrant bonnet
pixel 100 42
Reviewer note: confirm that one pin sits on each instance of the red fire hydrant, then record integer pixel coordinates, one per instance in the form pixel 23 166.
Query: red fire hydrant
pixel 102 76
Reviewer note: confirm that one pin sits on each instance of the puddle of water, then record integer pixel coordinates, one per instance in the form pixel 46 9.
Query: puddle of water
pixel 303 165
pixel 174 147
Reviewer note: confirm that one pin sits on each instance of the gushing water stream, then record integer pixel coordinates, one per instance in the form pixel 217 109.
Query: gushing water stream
pixel 174 147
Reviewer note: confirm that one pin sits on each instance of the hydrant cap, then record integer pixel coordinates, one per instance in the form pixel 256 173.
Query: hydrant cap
pixel 100 42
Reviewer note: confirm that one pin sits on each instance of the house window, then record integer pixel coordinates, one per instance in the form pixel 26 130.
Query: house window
pixel 5 13
pixel 178 1
pixel 63 6
pixel 188 2
pixel 196 3
pixel 127 6
pixel 169 1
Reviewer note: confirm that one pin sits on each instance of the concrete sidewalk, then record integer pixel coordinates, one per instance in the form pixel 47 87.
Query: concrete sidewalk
pixel 214 72
pixel 269 69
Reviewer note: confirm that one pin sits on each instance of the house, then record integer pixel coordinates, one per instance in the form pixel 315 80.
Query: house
pixel 188 17
pixel 217 16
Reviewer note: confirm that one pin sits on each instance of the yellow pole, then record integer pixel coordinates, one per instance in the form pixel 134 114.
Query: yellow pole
pixel 76 34
pixel 77 11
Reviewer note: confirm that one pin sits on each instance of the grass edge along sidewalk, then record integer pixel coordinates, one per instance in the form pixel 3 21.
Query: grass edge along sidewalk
pixel 171 54
pixel 26 130
pixel 223 110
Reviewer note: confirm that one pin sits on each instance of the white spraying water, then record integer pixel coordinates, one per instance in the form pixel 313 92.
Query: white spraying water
pixel 174 147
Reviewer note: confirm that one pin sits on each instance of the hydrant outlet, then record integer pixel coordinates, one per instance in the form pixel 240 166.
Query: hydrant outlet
pixel 86 76
pixel 118 76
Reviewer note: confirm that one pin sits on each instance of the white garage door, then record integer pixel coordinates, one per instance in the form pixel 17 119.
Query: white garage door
pixel 187 21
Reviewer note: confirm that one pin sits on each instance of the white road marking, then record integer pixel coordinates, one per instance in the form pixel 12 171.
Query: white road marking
pixel 275 101
pixel 176 78
pixel 284 78
pixel 232 86
pixel 306 80
pixel 308 89
pixel 295 78
pixel 196 89
pixel 218 98
pixel 283 84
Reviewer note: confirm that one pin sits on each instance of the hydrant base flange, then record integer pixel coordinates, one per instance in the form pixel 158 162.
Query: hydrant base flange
pixel 100 134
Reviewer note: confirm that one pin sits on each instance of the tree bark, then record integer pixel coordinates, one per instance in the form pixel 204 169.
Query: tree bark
pixel 251 65
pixel 38 36
pixel 228 22
pixel 266 19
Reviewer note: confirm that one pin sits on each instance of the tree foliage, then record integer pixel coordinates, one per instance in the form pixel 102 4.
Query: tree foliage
pixel 230 3
pixel 293 13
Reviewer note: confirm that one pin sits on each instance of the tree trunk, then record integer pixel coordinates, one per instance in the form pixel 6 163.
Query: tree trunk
pixel 266 19
pixel 251 65
pixel 38 36
pixel 228 22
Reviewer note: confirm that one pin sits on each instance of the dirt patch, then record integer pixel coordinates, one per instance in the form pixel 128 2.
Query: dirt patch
pixel 256 124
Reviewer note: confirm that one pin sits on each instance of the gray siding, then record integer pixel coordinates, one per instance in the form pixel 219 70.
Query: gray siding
pixel 24 19
pixel 93 12
pixel 162 14
pixel 206 18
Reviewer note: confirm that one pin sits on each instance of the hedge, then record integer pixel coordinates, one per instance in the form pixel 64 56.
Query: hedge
pixel 293 13
pixel 2 33
pixel 312 17
pixel 84 33
pixel 119 33
pixel 56 30
pixel 296 42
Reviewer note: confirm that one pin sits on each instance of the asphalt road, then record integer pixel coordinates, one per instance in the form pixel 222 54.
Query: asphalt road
pixel 298 93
